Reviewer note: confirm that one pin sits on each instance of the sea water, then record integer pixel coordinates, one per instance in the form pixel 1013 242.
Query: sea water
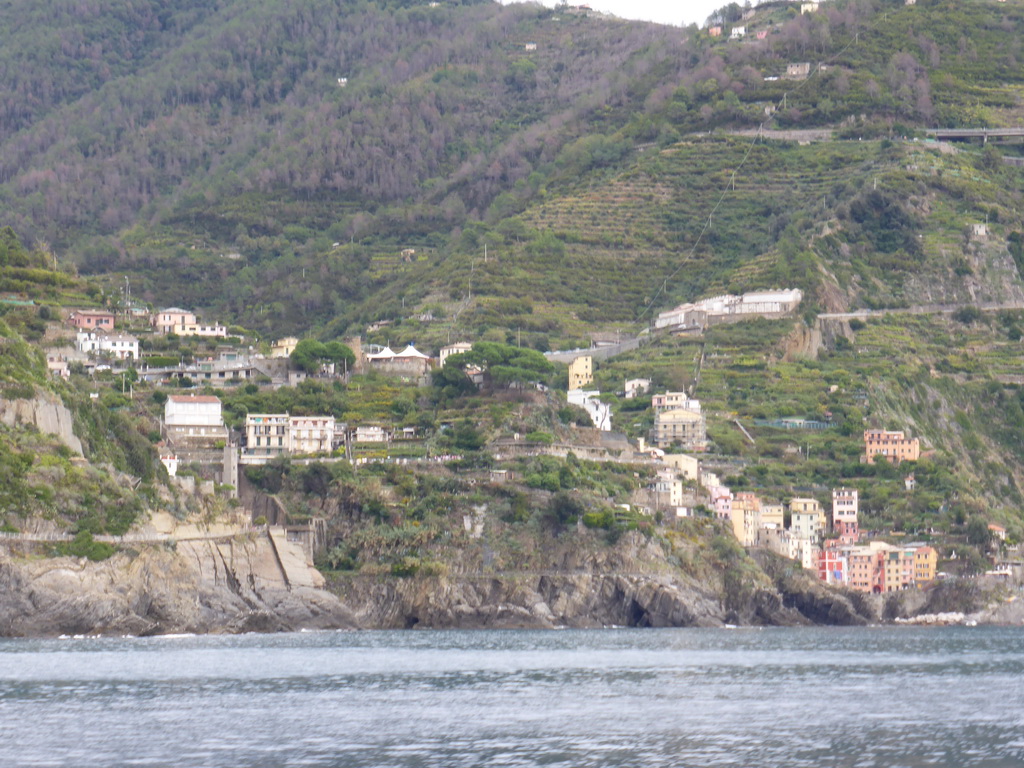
pixel 951 696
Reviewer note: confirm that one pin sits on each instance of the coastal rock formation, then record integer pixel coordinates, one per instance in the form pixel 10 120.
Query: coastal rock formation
pixel 46 413
pixel 629 585
pixel 229 585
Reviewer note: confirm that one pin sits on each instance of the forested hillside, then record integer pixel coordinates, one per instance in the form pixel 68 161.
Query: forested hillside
pixel 311 142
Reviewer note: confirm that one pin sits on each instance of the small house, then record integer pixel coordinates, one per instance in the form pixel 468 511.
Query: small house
pixel 453 349
pixel 166 320
pixel 715 31
pixel 798 70
pixel 737 33
pixel 91 319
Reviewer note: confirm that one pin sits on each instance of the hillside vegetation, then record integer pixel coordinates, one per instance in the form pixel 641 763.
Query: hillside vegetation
pixel 461 186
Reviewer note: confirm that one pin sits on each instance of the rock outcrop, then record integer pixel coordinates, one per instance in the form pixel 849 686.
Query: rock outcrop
pixel 624 586
pixel 227 585
pixel 46 413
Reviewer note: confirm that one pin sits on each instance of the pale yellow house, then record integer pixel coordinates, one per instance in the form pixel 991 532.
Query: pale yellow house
pixel 687 466
pixel 680 426
pixel 284 347
pixel 809 506
pixel 581 372
pixel 772 515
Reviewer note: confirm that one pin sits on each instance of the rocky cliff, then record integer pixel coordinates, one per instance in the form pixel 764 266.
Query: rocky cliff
pixel 228 585
pixel 46 413
pixel 630 584
pixel 261 583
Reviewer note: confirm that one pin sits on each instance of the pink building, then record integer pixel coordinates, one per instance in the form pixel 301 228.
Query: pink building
pixel 845 509
pixel 166 320
pixel 91 319
pixel 721 502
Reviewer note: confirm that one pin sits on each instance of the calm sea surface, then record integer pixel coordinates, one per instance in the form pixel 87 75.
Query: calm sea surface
pixel 746 697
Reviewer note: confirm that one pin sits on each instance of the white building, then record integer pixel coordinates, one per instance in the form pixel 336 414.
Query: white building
pixel 170 461
pixel 726 307
pixel 668 400
pixel 196 329
pixel 370 433
pixel 668 489
pixel 805 525
pixel 310 434
pixel 807 551
pixel 194 419
pixel 121 346
pixel 453 349
pixel 266 435
pixel 845 506
pixel 635 387
pixel 588 399
pixel 737 33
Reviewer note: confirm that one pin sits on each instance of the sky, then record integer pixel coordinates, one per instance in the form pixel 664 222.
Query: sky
pixel 678 12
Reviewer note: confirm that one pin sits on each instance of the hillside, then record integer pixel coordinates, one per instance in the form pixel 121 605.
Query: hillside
pixel 531 178
pixel 191 152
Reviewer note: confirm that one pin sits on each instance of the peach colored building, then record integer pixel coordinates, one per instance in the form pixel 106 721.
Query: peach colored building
pixel 91 319
pixel 881 567
pixel 166 320
pixel 894 446
pixel 745 515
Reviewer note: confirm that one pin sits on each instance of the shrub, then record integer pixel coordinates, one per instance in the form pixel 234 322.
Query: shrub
pixel 84 545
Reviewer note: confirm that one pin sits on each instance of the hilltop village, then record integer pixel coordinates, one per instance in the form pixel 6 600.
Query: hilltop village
pixel 680 479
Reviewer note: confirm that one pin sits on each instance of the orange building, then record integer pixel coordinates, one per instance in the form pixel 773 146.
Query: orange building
pixel 894 446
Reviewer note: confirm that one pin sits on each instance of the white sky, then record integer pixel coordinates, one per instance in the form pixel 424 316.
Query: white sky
pixel 678 12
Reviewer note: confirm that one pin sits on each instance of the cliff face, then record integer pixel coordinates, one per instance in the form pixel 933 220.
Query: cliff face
pixel 46 413
pixel 230 585
pixel 630 584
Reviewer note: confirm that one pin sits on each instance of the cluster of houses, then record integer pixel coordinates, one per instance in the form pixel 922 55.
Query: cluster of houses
pixel 193 429
pixel 96 337
pixel 828 545
pixel 739 31
pixel 697 316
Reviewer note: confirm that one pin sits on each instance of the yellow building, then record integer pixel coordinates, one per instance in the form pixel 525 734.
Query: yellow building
pixel 745 517
pixel 926 561
pixel 687 466
pixel 809 506
pixel 581 372
pixel 284 347
pixel 772 515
